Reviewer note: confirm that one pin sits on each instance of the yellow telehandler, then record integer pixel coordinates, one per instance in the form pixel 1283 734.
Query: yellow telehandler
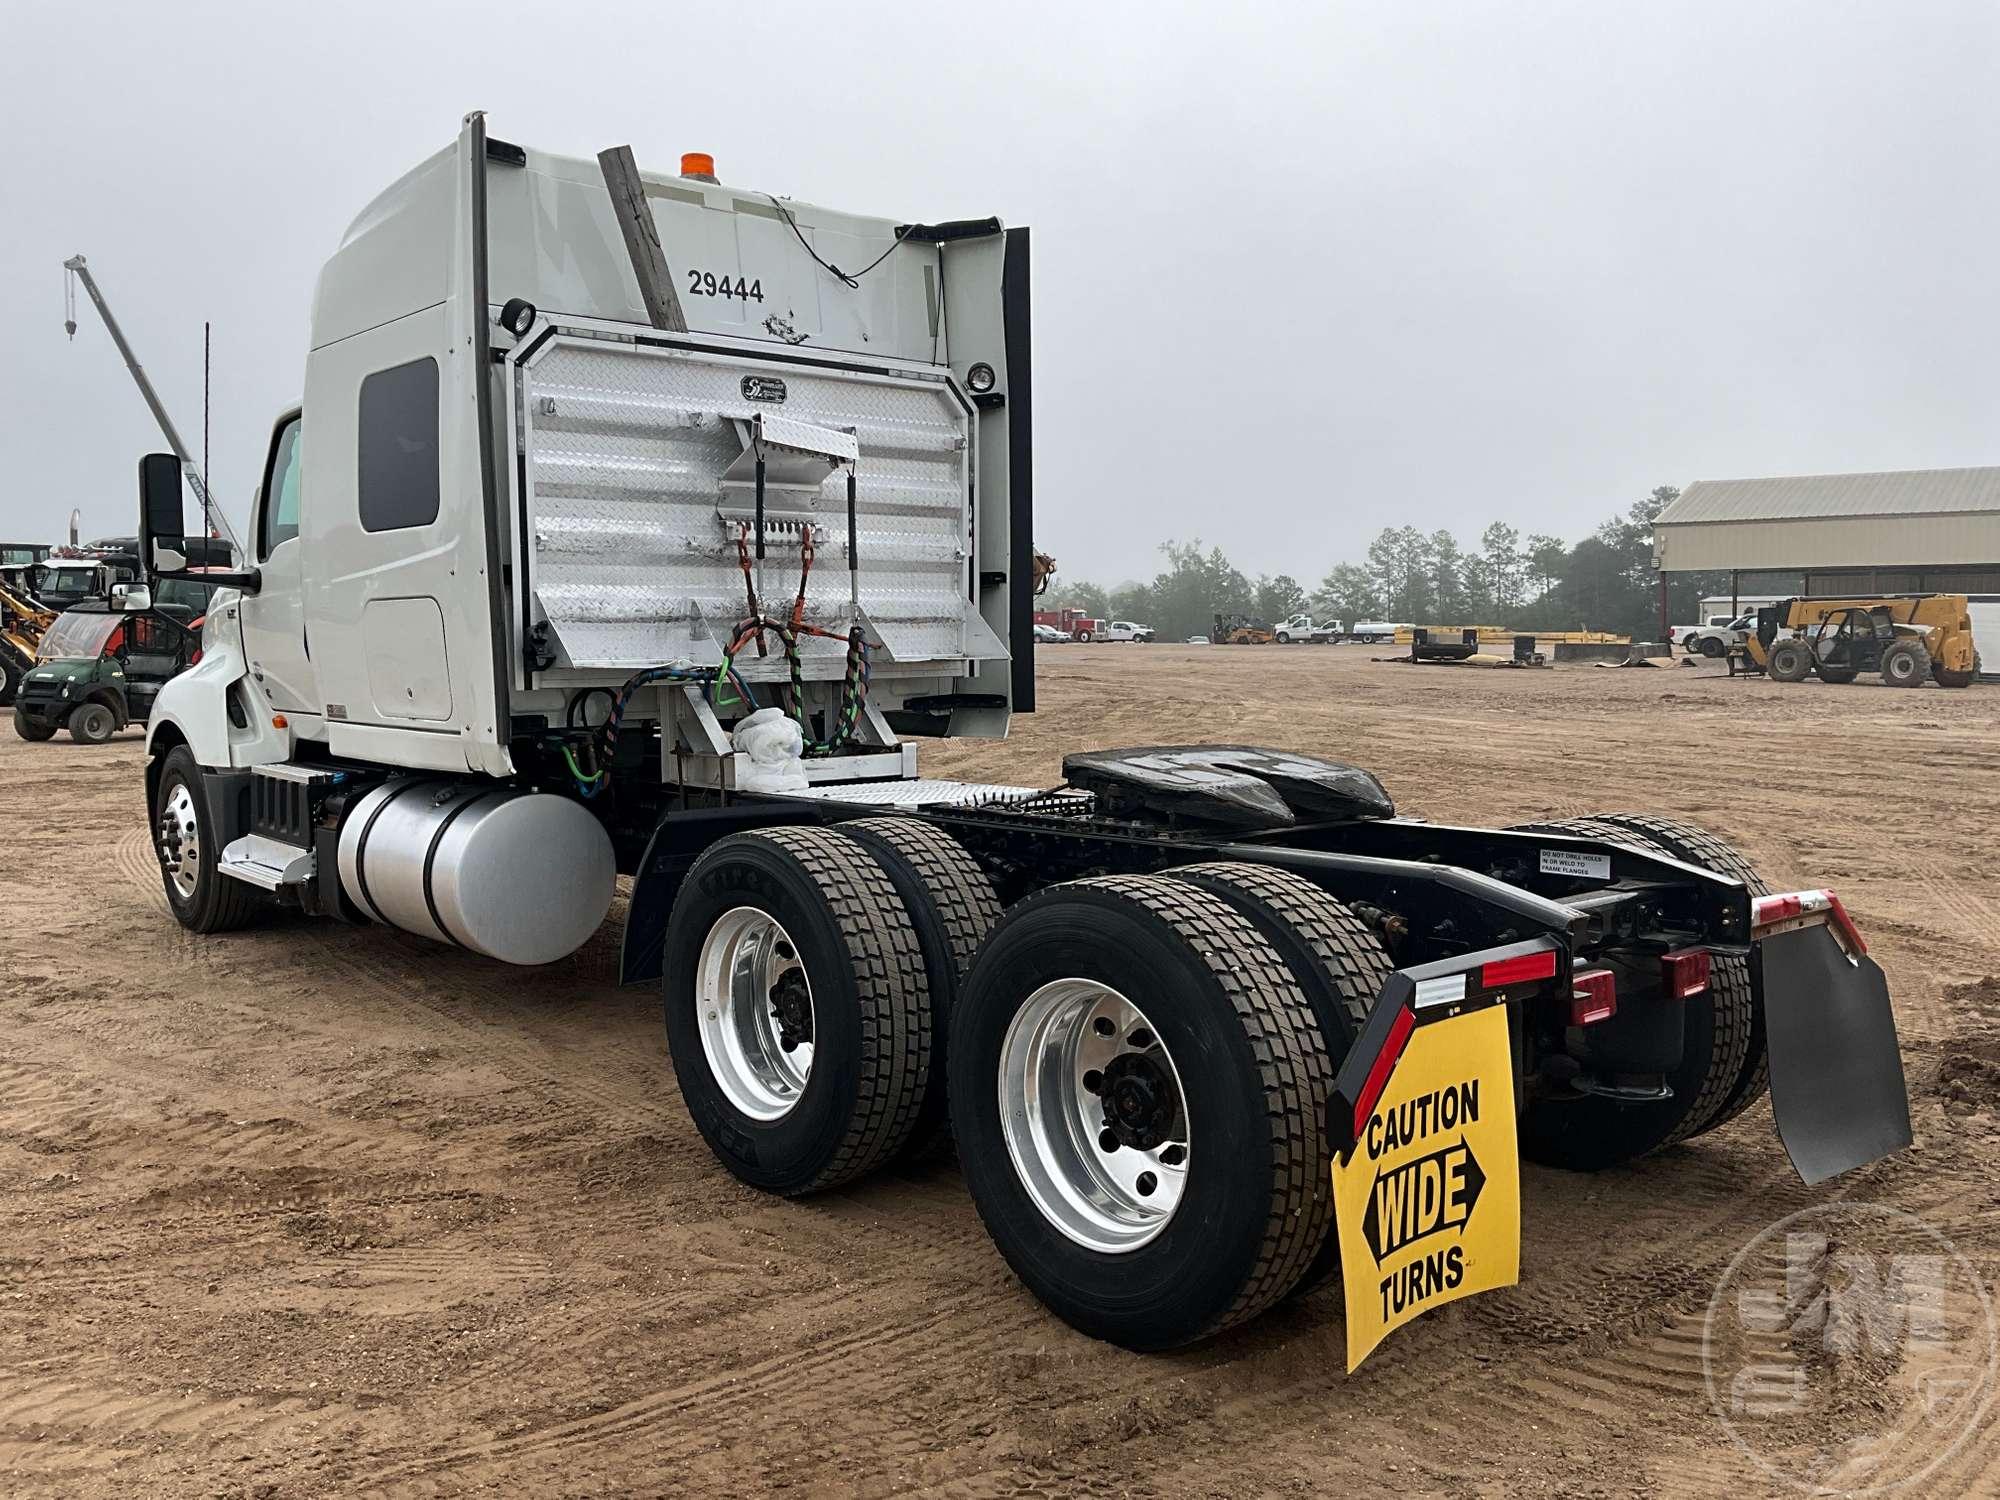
pixel 1908 638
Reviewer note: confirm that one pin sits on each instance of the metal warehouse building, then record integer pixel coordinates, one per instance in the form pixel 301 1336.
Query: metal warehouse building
pixel 1895 533
pixel 1911 531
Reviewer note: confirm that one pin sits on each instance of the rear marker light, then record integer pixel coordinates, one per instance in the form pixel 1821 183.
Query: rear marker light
pixel 1594 998
pixel 1449 990
pixel 1385 1064
pixel 1685 972
pixel 1505 971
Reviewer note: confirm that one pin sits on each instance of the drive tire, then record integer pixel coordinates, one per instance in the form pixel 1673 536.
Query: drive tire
pixel 29 730
pixel 953 907
pixel 1838 676
pixel 1253 1210
pixel 1906 664
pixel 1790 661
pixel 871 1030
pixel 92 723
pixel 1588 1133
pixel 1694 845
pixel 1337 959
pixel 216 903
pixel 10 678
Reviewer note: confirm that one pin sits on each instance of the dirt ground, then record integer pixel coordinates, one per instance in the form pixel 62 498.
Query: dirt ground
pixel 312 1211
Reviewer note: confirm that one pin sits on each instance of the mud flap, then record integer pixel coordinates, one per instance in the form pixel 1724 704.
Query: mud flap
pixel 1837 1088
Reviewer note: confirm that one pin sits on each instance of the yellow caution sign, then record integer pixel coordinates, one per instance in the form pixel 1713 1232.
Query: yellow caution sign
pixel 1427 1201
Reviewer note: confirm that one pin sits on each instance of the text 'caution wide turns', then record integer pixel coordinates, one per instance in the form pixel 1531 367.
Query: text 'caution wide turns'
pixel 1428 1200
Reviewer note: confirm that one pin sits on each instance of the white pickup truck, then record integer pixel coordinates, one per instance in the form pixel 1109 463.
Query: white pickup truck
pixel 1716 635
pixel 1304 628
pixel 1124 630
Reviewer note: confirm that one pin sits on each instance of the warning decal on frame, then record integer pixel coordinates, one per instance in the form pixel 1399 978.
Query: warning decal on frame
pixel 1427 1202
pixel 1575 863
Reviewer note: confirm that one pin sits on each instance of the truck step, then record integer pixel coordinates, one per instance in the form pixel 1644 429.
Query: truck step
pixel 266 862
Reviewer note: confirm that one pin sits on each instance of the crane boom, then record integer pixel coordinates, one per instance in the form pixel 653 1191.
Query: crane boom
pixel 212 514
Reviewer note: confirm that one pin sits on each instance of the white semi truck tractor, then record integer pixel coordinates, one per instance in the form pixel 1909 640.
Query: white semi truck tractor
pixel 638 523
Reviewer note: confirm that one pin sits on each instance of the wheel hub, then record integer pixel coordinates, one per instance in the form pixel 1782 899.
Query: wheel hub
pixel 791 1002
pixel 1140 1101
pixel 1093 1112
pixel 178 840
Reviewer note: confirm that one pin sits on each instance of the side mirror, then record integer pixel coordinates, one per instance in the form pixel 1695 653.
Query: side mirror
pixel 162 520
pixel 131 598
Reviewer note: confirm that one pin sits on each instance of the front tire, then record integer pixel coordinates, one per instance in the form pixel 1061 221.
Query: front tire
pixel 1138 1089
pixel 1711 647
pixel 28 729
pixel 203 899
pixel 784 942
pixel 1906 664
pixel 92 723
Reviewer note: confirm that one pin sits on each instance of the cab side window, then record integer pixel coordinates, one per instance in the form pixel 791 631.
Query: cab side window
pixel 397 482
pixel 280 522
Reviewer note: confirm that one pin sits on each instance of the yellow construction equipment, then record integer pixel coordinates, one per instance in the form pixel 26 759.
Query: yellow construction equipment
pixel 1908 638
pixel 23 623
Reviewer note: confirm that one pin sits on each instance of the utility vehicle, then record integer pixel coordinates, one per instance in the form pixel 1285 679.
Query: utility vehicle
pixel 99 669
pixel 593 462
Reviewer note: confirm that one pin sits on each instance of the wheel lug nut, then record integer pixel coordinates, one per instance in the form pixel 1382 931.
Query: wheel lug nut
pixel 1106 1141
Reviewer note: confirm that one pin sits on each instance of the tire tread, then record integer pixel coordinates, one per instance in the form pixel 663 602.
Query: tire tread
pixel 889 978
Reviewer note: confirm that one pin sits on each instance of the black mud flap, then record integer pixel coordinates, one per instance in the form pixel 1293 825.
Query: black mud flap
pixel 1836 1075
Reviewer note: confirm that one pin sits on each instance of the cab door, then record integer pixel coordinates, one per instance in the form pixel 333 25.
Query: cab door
pixel 274 618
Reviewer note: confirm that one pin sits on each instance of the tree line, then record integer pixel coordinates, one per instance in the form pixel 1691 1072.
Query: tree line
pixel 1537 582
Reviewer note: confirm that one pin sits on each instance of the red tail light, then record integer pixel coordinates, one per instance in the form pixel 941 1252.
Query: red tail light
pixel 1594 997
pixel 1685 972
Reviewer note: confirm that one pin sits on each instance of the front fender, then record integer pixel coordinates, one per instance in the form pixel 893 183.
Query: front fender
pixel 196 704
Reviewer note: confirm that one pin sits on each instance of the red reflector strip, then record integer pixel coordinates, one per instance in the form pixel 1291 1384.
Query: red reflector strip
pixel 1385 1064
pixel 1685 972
pixel 1505 971
pixel 1856 944
pixel 1766 911
pixel 1595 997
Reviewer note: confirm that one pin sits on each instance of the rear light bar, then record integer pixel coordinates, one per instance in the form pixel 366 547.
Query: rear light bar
pixel 1593 996
pixel 1422 994
pixel 1684 972
pixel 1800 908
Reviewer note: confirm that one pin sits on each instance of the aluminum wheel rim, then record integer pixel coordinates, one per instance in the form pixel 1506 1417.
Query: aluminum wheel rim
pixel 744 959
pixel 180 840
pixel 1067 1035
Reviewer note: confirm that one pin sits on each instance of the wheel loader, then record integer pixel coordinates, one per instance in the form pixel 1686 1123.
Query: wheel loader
pixel 1908 638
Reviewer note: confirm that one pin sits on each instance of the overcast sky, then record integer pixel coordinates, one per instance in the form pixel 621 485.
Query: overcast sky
pixel 1301 271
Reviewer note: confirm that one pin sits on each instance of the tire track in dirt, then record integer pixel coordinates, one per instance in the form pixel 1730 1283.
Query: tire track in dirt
pixel 701 1407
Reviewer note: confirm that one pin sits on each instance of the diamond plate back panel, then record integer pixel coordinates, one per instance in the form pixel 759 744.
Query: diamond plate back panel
pixel 633 565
